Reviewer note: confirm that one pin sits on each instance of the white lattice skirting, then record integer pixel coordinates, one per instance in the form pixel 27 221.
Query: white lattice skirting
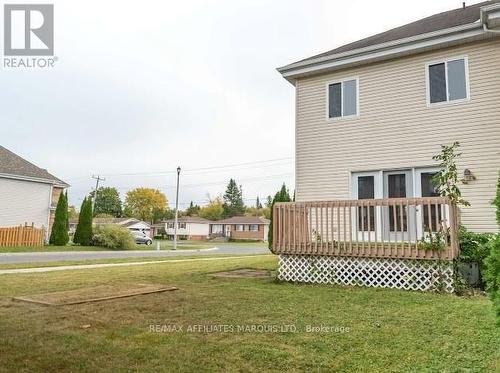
pixel 404 274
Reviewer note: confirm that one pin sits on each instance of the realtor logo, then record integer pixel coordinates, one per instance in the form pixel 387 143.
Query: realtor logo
pixel 28 29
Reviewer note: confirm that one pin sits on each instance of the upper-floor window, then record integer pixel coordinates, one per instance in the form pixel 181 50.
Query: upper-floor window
pixel 342 98
pixel 170 225
pixel 447 81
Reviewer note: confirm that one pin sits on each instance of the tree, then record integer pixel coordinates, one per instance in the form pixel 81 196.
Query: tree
pixel 233 200
pixel 213 211
pixel 192 210
pixel 145 204
pixel 282 196
pixel 258 205
pixel 107 202
pixel 269 201
pixel 72 213
pixel 83 233
pixel 59 235
pixel 446 179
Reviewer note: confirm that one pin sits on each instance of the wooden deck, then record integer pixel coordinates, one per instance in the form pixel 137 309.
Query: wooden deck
pixel 374 228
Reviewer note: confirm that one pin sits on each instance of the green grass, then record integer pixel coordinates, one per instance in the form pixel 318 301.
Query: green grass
pixel 106 261
pixel 164 245
pixel 387 330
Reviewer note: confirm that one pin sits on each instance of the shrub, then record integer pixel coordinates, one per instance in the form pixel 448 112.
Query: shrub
pixel 83 233
pixel 475 247
pixel 492 275
pixel 59 235
pixel 113 237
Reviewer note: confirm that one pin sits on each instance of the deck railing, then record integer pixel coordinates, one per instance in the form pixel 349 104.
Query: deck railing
pixel 377 228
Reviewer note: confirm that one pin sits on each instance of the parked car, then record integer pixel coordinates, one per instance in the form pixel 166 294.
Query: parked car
pixel 142 238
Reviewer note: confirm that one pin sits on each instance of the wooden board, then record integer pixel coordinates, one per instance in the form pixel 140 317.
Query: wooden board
pixel 93 294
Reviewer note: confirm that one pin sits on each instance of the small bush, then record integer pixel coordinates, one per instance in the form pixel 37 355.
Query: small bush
pixel 492 274
pixel 113 237
pixel 475 247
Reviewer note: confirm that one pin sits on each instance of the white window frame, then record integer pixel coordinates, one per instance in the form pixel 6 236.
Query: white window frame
pixel 237 227
pixel 428 87
pixel 253 226
pixel 341 82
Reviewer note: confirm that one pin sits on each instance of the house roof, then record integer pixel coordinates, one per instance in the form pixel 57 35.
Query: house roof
pixel 125 222
pixel 429 28
pixel 13 165
pixel 244 220
pixel 189 219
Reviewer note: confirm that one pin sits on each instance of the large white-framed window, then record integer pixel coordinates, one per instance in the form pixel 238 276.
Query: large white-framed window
pixel 447 81
pixel 342 98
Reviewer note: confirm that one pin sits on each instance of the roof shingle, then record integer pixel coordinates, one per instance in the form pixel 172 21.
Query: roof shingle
pixel 12 164
pixel 441 21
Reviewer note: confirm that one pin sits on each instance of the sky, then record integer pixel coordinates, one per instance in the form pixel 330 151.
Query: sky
pixel 141 87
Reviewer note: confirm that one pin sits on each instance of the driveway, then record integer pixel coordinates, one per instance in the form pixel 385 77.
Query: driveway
pixel 226 249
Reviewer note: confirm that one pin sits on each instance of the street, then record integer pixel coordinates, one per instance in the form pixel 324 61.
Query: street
pixel 226 249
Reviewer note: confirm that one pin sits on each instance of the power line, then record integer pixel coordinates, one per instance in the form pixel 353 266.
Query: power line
pixel 193 170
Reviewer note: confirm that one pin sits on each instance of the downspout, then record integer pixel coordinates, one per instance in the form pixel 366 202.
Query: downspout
pixel 486 29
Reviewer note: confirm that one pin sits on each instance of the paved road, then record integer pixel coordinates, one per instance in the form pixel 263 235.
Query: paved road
pixel 103 265
pixel 9 258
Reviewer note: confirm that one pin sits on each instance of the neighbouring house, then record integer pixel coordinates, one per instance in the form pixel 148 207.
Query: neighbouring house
pixel 188 228
pixel 130 223
pixel 241 228
pixel 370 115
pixel 28 193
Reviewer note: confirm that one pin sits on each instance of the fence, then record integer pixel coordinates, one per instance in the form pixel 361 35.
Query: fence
pixel 22 236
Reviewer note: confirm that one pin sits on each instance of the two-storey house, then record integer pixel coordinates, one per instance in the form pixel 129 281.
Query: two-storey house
pixel 370 115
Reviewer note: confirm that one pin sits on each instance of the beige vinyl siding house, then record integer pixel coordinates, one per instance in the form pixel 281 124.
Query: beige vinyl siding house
pixel 396 129
pixel 370 116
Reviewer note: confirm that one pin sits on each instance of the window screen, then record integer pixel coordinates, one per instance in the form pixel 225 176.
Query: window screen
pixel 335 100
pixel 437 82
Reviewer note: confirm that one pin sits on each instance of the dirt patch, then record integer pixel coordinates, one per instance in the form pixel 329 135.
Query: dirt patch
pixel 244 273
pixel 93 294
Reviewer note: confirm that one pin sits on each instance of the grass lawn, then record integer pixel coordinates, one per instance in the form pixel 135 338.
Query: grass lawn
pixel 383 330
pixel 164 245
pixel 105 261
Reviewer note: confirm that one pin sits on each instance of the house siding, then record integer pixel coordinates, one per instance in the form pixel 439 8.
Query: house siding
pixel 24 202
pixel 396 129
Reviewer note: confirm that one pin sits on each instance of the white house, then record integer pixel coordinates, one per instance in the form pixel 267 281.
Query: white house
pixel 189 227
pixel 132 224
pixel 28 194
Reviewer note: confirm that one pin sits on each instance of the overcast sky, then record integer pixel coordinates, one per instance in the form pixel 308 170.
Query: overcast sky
pixel 141 87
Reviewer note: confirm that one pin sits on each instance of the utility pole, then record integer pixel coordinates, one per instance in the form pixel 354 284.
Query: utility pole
pixel 176 209
pixel 97 178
